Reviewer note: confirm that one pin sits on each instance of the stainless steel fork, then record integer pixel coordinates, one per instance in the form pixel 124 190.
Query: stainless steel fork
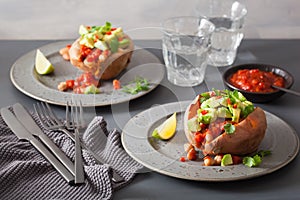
pixel 75 121
pixel 50 121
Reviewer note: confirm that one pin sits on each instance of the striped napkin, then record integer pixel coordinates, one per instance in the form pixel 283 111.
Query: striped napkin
pixel 26 174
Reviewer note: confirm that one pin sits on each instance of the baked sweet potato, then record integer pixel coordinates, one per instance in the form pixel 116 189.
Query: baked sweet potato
pixel 104 69
pixel 245 136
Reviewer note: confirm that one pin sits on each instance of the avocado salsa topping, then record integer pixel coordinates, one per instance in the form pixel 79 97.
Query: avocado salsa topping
pixel 105 39
pixel 221 108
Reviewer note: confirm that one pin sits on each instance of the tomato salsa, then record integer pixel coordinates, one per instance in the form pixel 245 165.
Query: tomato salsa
pixel 255 80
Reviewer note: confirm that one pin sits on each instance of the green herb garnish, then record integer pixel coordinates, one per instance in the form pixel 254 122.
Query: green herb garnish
pixel 255 160
pixel 229 128
pixel 204 96
pixel 263 153
pixel 138 85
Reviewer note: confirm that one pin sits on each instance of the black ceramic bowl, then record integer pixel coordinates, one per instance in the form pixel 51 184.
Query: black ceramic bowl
pixel 259 97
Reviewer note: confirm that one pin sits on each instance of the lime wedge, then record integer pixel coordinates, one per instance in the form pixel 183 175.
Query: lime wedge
pixel 42 64
pixel 167 129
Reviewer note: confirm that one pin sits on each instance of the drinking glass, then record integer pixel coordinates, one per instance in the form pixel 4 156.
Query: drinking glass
pixel 186 44
pixel 228 17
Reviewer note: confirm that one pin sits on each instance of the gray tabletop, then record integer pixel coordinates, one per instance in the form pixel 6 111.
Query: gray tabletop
pixel 282 184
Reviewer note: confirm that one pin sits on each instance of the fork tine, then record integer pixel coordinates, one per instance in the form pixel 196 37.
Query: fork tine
pixel 73 112
pixel 45 120
pixel 52 115
pixel 82 122
pixel 73 116
pixel 46 114
pixel 68 115
pixel 39 114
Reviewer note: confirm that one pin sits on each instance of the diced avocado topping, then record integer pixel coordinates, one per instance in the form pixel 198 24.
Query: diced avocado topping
pixel 101 45
pixel 226 160
pixel 223 112
pixel 207 115
pixel 92 89
pixel 193 125
pixel 231 105
pixel 229 128
pixel 212 102
pixel 235 114
pixel 103 37
pixel 124 43
pixel 108 38
pixel 83 30
pixel 114 45
pixel 247 108
pixel 250 161
pixel 86 41
pixel 119 32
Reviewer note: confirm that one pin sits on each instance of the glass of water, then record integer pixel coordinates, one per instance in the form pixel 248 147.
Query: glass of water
pixel 186 43
pixel 228 17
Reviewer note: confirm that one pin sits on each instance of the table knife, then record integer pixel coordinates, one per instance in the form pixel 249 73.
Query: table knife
pixel 25 118
pixel 21 132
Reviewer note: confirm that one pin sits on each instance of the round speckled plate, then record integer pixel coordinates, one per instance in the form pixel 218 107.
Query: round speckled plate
pixel 44 88
pixel 163 156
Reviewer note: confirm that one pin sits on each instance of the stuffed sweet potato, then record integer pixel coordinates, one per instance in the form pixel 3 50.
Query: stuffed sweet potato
pixel 103 51
pixel 224 122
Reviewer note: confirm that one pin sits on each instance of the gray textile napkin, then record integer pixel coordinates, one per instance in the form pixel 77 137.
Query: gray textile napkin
pixel 26 174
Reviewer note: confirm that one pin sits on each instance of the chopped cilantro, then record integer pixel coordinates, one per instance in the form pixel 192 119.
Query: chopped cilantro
pixel 249 161
pixel 255 160
pixel 141 84
pixel 263 153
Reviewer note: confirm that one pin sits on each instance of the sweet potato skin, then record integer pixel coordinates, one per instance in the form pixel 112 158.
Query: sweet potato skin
pixel 245 140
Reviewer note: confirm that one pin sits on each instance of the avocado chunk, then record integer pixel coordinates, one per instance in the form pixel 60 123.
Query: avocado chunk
pixel 209 116
pixel 101 45
pixel 212 102
pixel 118 32
pixel 124 43
pixel 236 114
pixel 91 89
pixel 193 125
pixel 108 38
pixel 83 30
pixel 86 41
pixel 226 160
pixel 223 112
pixel 114 45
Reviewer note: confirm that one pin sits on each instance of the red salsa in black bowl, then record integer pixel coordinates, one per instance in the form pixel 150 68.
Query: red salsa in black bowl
pixel 255 81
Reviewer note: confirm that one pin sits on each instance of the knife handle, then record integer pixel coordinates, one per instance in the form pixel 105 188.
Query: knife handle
pixel 54 161
pixel 58 153
pixel 79 172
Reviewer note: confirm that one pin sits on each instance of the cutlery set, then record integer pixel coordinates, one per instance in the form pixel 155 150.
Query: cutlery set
pixel 23 134
pixel 25 128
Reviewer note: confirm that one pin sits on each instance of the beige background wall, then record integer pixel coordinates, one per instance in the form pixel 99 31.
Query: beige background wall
pixel 60 19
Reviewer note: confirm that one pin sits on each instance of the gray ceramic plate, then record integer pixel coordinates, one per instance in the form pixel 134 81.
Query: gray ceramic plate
pixel 163 157
pixel 44 88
